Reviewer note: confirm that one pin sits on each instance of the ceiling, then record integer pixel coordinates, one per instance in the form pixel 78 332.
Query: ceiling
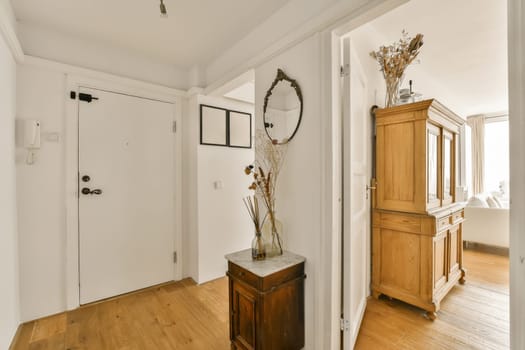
pixel 463 61
pixel 194 33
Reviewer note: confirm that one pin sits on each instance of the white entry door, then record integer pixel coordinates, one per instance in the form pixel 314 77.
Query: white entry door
pixel 126 194
pixel 356 205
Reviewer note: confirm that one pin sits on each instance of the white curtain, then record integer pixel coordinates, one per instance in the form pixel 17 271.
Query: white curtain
pixel 477 124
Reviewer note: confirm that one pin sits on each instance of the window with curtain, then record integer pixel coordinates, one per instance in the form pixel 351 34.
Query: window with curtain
pixel 468 159
pixel 496 159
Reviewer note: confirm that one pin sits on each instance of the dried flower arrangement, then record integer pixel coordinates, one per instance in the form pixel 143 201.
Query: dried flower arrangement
pixel 394 59
pixel 265 171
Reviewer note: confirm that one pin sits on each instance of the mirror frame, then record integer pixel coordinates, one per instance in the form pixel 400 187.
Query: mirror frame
pixel 293 83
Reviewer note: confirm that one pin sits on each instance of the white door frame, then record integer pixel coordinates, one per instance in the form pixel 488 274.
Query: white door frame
pixel 516 49
pixel 350 334
pixel 329 304
pixel 332 169
pixel 123 86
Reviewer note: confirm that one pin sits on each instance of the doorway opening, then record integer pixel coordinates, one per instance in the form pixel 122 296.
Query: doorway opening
pixel 455 74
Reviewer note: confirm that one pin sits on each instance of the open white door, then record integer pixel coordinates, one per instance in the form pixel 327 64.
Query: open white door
pixel 356 205
pixel 126 194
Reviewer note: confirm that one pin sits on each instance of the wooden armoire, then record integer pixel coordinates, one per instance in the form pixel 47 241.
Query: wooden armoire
pixel 417 248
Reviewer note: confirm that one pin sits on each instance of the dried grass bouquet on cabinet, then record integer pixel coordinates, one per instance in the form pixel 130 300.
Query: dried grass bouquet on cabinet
pixel 265 172
pixel 393 60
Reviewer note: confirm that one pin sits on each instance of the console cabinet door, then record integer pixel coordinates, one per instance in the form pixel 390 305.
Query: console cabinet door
pixel 243 311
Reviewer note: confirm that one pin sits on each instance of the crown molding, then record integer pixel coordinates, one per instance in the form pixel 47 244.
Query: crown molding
pixel 88 75
pixel 194 91
pixel 9 33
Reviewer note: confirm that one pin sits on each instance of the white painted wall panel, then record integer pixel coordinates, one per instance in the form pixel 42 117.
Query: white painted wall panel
pixel 216 221
pixel 40 187
pixel 299 190
pixel 9 299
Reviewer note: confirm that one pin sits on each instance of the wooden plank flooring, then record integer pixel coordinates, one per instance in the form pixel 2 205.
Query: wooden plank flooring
pixel 180 315
pixel 183 315
pixel 472 316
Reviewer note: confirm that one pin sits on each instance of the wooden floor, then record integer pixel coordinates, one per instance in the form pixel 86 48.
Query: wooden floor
pixel 176 316
pixel 185 316
pixel 472 316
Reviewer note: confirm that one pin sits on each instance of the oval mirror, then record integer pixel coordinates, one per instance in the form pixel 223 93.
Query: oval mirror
pixel 283 109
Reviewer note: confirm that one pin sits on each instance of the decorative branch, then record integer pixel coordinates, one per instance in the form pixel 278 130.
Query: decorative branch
pixel 252 205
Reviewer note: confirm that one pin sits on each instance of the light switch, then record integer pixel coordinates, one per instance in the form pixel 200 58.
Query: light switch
pixel 218 185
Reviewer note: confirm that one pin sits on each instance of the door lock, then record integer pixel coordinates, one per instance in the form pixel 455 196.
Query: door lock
pixel 86 178
pixel 87 191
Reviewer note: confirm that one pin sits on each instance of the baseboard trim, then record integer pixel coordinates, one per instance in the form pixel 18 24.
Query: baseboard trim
pixel 486 248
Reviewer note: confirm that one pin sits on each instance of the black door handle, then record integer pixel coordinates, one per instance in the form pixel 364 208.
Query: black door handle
pixel 87 191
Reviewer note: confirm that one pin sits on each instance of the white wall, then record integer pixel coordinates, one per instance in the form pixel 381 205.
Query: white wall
pixel 65 48
pixel 40 187
pixel 298 199
pixel 190 224
pixel 218 223
pixel 9 297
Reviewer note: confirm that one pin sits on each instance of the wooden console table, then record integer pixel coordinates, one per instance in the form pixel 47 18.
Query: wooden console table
pixel 266 301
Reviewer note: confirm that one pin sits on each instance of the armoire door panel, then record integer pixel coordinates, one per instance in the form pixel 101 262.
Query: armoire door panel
pixel 399 153
pixel 440 261
pixel 434 193
pixel 454 249
pixel 400 260
pixel 449 169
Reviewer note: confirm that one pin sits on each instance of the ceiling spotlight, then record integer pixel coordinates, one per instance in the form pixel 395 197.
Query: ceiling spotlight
pixel 163 11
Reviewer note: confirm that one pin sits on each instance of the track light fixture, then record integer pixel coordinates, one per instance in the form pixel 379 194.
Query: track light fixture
pixel 163 11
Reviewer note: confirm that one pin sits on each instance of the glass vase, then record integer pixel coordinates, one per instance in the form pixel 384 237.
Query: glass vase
pixel 392 91
pixel 273 237
pixel 258 247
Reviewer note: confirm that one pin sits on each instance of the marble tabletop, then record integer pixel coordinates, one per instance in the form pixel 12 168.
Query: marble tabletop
pixel 266 267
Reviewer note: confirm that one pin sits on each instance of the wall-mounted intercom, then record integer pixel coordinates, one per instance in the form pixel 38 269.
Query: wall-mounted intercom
pixel 31 134
pixel 31 138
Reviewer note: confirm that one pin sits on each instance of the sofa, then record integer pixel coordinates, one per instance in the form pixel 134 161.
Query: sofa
pixel 486 224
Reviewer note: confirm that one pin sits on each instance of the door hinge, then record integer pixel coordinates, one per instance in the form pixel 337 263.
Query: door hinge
pixel 344 325
pixel 174 127
pixel 175 257
pixel 86 97
pixel 344 70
